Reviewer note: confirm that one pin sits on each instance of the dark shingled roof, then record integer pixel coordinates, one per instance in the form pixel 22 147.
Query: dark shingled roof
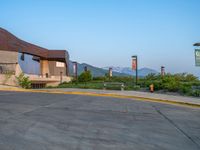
pixel 196 44
pixel 9 42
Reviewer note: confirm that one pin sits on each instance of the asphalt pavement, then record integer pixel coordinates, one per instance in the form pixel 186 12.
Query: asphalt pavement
pixel 44 121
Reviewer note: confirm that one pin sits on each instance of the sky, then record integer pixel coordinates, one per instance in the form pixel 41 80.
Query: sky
pixel 108 32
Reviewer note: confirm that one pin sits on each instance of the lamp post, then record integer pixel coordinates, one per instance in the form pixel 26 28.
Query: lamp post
pixel 162 71
pixel 135 67
pixel 110 72
pixel 85 69
pixel 197 54
pixel 61 76
pixel 75 70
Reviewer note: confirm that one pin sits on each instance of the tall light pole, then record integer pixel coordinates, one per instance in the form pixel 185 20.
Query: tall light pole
pixel 197 54
pixel 75 70
pixel 110 72
pixel 162 71
pixel 135 67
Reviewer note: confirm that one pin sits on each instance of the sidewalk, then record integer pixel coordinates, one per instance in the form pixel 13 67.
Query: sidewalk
pixel 145 96
pixel 133 94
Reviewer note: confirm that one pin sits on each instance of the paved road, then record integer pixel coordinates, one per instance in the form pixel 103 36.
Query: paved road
pixel 36 121
pixel 163 97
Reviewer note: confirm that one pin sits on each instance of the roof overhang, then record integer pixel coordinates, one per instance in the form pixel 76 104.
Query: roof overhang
pixel 9 42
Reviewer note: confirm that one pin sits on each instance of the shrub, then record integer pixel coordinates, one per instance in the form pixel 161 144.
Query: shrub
pixel 24 81
pixel 85 76
pixel 171 84
pixel 101 78
pixel 185 89
pixel 195 93
pixel 191 77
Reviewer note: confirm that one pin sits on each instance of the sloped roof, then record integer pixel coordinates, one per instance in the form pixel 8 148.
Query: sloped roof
pixel 9 42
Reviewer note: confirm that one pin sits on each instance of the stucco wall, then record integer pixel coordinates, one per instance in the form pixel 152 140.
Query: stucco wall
pixel 10 79
pixel 8 62
pixel 55 71
pixel 8 57
pixel 44 65
pixel 6 79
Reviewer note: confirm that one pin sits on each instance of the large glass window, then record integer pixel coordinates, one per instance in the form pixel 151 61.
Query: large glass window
pixel 29 64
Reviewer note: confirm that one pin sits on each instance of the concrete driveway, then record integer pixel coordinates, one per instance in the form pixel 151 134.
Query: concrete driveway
pixel 39 121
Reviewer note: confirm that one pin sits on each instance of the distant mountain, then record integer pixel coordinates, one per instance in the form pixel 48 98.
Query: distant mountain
pixel 117 71
pixel 127 70
pixel 94 70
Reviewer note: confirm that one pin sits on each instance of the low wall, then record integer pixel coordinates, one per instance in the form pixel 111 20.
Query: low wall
pixel 10 79
pixel 6 79
pixel 51 81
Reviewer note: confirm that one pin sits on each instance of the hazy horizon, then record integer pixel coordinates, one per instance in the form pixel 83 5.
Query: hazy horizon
pixel 108 32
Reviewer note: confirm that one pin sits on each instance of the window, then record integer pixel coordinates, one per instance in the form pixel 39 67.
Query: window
pixel 22 56
pixel 35 58
pixel 60 64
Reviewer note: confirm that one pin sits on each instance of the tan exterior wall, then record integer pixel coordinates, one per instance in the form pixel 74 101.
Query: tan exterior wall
pixel 8 61
pixel 55 71
pixel 18 70
pixel 8 80
pixel 44 66
pixel 8 57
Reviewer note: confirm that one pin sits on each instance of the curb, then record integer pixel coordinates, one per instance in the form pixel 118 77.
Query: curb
pixel 138 98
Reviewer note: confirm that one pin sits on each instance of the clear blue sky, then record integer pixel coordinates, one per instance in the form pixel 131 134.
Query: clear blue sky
pixel 108 32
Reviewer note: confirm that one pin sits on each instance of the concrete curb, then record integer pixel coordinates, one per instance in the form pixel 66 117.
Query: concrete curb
pixel 138 98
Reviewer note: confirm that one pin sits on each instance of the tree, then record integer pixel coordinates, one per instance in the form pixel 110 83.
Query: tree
pixel 85 76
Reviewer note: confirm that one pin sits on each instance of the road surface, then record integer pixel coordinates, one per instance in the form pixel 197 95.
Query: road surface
pixel 39 121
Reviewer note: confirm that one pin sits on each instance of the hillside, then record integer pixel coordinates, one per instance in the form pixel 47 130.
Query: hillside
pixel 94 70
pixel 127 70
pixel 117 71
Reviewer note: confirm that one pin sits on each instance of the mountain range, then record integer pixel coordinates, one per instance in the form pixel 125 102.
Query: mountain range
pixel 117 71
pixel 128 71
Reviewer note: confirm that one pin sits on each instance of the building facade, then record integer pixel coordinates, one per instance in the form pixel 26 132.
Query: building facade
pixel 43 67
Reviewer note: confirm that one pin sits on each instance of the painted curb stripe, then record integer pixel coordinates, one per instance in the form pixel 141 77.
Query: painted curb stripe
pixel 138 98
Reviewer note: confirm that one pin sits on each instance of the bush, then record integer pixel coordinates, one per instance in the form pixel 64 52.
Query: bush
pixel 132 87
pixel 85 76
pixel 102 78
pixel 24 81
pixel 182 83
pixel 185 89
pixel 195 93
pixel 89 85
pixel 191 77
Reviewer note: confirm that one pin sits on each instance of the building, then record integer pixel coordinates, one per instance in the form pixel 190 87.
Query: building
pixel 43 67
